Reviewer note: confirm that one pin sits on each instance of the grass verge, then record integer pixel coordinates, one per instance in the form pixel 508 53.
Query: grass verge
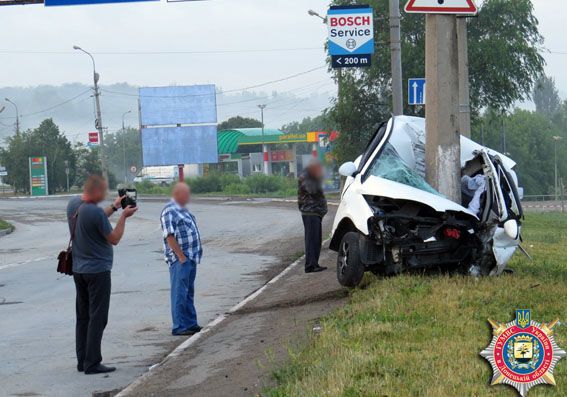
pixel 421 335
pixel 5 225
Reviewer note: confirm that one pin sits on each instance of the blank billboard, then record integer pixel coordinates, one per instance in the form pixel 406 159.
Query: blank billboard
pixel 178 105
pixel 163 146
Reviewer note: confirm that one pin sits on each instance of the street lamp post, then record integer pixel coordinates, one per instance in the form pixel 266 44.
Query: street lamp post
pixel 556 139
pixel 17 114
pixel 124 146
pixel 264 146
pixel 98 122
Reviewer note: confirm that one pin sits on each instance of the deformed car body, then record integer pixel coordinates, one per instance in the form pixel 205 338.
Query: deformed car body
pixel 390 220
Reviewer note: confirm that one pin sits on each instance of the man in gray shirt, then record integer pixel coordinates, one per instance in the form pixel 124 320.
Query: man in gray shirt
pixel 93 238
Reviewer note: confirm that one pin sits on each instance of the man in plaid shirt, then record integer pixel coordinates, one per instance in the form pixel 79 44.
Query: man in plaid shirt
pixel 182 249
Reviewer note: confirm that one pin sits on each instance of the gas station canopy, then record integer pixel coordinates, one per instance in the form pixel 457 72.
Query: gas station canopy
pixel 230 140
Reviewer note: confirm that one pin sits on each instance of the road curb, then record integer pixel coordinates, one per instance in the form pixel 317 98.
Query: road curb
pixel 5 232
pixel 208 328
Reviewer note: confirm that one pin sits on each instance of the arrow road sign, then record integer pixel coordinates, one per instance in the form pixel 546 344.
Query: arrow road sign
pixel 467 7
pixel 416 91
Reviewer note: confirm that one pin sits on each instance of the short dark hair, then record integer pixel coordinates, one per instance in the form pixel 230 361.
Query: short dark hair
pixel 93 182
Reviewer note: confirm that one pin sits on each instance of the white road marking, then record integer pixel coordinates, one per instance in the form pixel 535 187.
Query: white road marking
pixel 208 328
pixel 11 265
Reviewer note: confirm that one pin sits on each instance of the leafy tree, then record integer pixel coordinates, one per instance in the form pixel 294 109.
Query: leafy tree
pixel 504 62
pixel 15 158
pixel 88 163
pixel 504 53
pixel 46 140
pixel 308 124
pixel 528 141
pixel 546 96
pixel 123 149
pixel 239 122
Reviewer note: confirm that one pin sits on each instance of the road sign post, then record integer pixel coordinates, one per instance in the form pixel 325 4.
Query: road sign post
pixel 351 36
pixel 3 173
pixel 38 176
pixel 442 125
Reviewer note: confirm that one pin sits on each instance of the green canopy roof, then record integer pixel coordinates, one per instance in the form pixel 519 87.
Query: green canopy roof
pixel 228 140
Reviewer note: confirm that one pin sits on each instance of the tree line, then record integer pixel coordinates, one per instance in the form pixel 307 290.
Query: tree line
pixel 81 160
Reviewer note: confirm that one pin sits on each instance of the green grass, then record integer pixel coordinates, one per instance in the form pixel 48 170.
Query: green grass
pixel 421 335
pixel 5 225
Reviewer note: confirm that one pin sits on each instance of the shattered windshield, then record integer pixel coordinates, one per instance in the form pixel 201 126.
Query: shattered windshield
pixel 389 165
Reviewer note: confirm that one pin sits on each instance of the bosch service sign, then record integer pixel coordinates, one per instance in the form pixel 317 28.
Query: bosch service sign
pixel 351 36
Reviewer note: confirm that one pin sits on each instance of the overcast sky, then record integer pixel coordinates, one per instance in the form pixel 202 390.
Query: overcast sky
pixel 290 39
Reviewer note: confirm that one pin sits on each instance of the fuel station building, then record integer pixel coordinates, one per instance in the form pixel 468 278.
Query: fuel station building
pixel 247 151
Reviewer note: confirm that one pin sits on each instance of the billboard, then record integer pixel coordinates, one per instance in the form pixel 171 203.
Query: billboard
pixel 51 3
pixel 38 176
pixel 179 145
pixel 179 125
pixel 196 104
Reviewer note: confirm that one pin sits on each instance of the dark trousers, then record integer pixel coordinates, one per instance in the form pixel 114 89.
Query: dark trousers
pixel 92 303
pixel 313 240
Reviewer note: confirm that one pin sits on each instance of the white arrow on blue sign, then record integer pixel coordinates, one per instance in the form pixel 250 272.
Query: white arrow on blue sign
pixel 416 91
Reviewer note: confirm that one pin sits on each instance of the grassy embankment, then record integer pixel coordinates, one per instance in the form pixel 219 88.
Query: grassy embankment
pixel 421 335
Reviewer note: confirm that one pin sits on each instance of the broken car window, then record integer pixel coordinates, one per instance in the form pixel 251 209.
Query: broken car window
pixel 389 165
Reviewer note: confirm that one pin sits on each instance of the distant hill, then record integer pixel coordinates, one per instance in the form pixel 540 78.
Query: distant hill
pixel 72 106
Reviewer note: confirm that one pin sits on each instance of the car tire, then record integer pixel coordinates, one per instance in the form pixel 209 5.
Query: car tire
pixel 349 266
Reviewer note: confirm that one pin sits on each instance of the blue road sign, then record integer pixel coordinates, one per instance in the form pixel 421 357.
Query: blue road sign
pixel 351 35
pixel 50 3
pixel 416 91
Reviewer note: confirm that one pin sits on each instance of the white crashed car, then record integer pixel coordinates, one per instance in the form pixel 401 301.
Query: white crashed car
pixel 390 220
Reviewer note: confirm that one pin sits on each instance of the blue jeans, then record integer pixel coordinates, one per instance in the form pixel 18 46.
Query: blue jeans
pixel 183 313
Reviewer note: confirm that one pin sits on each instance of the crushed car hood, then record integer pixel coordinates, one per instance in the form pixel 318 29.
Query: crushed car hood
pixel 408 138
pixel 376 186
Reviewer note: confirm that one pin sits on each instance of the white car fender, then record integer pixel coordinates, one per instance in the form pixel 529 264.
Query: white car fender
pixel 503 248
pixel 353 206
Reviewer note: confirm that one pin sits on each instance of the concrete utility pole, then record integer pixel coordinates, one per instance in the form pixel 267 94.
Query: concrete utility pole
pixel 443 154
pixel 396 58
pixel 464 91
pixel 124 146
pixel 98 122
pixel 556 140
pixel 17 114
pixel 264 146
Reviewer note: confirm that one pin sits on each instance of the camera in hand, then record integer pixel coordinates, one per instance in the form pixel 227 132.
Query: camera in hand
pixel 130 196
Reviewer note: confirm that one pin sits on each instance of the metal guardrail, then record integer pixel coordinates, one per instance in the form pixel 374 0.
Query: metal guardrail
pixel 544 197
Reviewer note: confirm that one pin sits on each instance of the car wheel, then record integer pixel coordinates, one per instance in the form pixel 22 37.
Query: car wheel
pixel 349 266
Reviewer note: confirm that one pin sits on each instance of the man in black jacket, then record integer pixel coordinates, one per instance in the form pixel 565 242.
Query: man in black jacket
pixel 313 206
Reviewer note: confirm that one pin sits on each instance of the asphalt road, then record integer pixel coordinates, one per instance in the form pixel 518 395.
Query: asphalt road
pixel 37 304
